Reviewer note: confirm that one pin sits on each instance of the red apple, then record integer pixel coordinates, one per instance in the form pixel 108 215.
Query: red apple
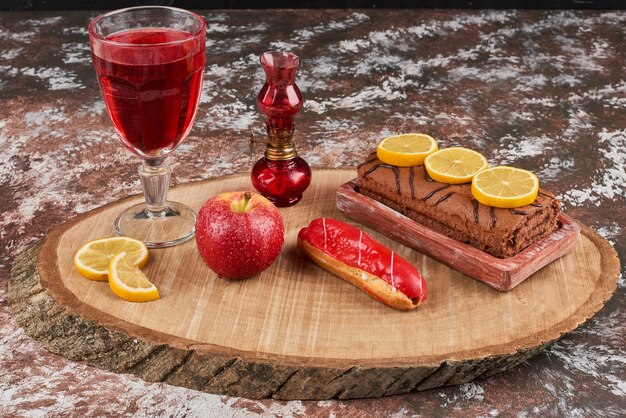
pixel 239 234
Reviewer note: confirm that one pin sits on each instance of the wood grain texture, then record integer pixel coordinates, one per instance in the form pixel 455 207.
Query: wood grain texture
pixel 502 274
pixel 295 331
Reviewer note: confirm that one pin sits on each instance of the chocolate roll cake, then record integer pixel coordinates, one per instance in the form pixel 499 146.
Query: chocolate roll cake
pixel 452 210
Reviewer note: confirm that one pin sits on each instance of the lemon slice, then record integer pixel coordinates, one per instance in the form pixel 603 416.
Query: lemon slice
pixel 92 259
pixel 130 283
pixel 406 150
pixel 505 187
pixel 454 165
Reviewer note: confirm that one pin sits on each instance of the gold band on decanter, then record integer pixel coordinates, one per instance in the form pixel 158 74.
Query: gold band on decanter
pixel 280 153
pixel 280 146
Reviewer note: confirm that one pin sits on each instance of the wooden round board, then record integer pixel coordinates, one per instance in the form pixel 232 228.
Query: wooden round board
pixel 295 331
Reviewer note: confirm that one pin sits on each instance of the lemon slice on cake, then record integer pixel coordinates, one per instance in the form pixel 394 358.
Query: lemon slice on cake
pixel 92 259
pixel 130 283
pixel 505 187
pixel 454 165
pixel 406 150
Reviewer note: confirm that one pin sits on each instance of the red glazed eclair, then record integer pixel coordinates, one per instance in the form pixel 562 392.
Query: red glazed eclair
pixel 355 257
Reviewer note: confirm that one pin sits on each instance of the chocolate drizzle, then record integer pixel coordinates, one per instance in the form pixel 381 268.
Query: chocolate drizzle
pixel 441 199
pixel 475 203
pixel 537 205
pixel 427 177
pixel 397 174
pixel 370 158
pixel 518 212
pixel 429 195
pixel 492 212
pixel 372 169
pixel 393 168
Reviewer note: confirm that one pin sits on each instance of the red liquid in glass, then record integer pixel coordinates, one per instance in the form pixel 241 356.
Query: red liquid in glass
pixel 151 87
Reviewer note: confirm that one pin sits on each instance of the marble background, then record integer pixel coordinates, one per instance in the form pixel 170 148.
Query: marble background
pixel 543 90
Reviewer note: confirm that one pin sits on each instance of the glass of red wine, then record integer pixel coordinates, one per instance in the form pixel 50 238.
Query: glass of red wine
pixel 150 62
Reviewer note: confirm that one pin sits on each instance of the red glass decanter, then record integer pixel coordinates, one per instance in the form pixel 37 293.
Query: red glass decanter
pixel 281 175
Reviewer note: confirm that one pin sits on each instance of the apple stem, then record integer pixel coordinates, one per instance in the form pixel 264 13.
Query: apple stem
pixel 246 198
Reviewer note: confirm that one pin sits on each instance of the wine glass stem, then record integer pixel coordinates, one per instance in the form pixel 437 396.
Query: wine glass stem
pixel 155 181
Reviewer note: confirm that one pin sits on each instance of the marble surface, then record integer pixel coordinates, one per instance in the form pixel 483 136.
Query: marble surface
pixel 542 90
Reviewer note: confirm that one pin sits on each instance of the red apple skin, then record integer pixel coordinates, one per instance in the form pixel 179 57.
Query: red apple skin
pixel 239 234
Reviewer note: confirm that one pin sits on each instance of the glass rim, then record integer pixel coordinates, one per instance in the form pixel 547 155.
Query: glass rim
pixel 100 38
pixel 274 52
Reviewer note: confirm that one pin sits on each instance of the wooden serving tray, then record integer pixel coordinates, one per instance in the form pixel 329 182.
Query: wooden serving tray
pixel 502 274
pixel 295 331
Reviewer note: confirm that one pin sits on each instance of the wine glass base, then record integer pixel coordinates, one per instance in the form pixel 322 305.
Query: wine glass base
pixel 173 226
